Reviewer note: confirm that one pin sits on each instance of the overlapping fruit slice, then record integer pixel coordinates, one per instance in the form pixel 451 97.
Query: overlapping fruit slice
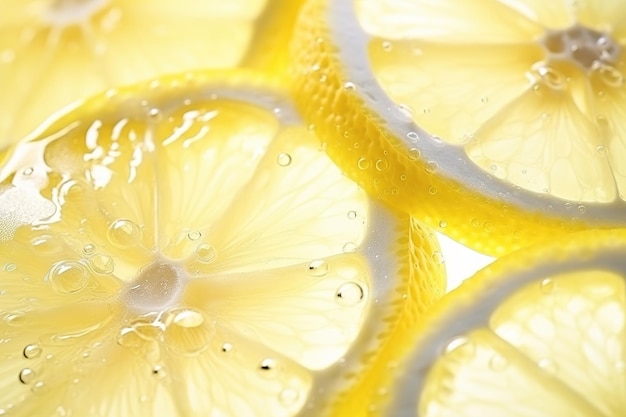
pixel 499 122
pixel 185 248
pixel 53 52
pixel 540 332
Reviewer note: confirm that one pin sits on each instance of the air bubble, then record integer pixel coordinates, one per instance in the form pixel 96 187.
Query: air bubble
pixel 352 214
pixel 27 375
pixel 227 347
pixel 158 371
pixel 363 164
pixel 283 159
pixel 443 224
pixel 194 235
pixel 32 351
pixel 349 294
pixel 414 153
pixel 387 46
pixel 39 387
pixel 68 277
pixel 404 113
pixel 188 318
pixel 484 99
pixel 437 257
pixel 102 264
pixel 551 77
pixel 350 86
pixel 288 397
pixel 582 209
pixel 205 253
pixel 129 338
pixel 611 76
pixel 547 286
pixel 9 267
pixel 431 167
pixel 89 249
pixel 382 165
pixel 461 346
pixel 432 190
pixel 268 367
pixel 413 136
pixel 318 267
pixel 602 151
pixel 124 233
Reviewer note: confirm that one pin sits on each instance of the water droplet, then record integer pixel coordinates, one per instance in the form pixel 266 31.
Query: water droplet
pixel 476 222
pixel 432 190
pixel 582 209
pixel 288 397
pixel 46 245
pixel 382 165
pixel 129 338
pixel 68 277
pixel 27 375
pixel 283 159
pixel 102 264
pixel 547 286
pixel 352 214
pixel 188 318
pixel 363 163
pixel 154 113
pixel 318 267
pixel 551 77
pixel 602 151
pixel 431 167
pixel 268 367
pixel 611 76
pixel 443 224
pixel 32 351
pixel 124 233
pixel 9 267
pixel 387 46
pixel 350 86
pixel 404 113
pixel 413 136
pixel 39 387
pixel 349 294
pixel 89 249
pixel 498 363
pixel 349 247
pixel 194 235
pixel 205 253
pixel 437 257
pixel 547 365
pixel 461 346
pixel 158 371
pixel 414 153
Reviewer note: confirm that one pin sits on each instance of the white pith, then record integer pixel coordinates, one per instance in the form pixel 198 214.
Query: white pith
pixel 453 163
pixel 72 12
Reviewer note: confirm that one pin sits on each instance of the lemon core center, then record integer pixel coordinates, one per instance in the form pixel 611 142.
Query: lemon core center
pixel 587 48
pixel 157 287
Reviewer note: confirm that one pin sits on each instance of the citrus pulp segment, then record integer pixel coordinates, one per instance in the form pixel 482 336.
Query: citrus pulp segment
pixel 185 248
pixel 53 52
pixel 497 122
pixel 540 332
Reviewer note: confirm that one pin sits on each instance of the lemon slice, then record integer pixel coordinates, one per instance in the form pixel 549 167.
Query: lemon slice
pixel 499 123
pixel 185 248
pixel 540 332
pixel 53 52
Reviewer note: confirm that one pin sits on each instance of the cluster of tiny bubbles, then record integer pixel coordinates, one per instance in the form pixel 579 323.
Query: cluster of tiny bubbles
pixel 68 277
pixel 124 234
pixel 283 159
pixel 349 294
pixel 318 267
pixel 205 253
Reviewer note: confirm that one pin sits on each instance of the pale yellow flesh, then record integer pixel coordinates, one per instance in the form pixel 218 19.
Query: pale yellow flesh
pixel 554 347
pixel 204 260
pixel 483 76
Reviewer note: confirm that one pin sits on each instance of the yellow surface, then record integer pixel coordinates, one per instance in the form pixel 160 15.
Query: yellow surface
pixel 185 248
pixel 540 332
pixel 525 97
pixel 53 52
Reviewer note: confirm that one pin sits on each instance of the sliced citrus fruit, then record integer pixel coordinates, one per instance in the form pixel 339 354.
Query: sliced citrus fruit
pixel 185 248
pixel 53 52
pixel 540 332
pixel 499 123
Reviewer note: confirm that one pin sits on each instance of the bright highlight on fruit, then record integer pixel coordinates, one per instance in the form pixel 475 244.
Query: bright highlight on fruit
pixel 185 248
pixel 537 333
pixel 53 52
pixel 498 122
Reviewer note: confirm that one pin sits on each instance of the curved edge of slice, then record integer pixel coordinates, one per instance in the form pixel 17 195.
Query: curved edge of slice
pixel 480 211
pixel 470 309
